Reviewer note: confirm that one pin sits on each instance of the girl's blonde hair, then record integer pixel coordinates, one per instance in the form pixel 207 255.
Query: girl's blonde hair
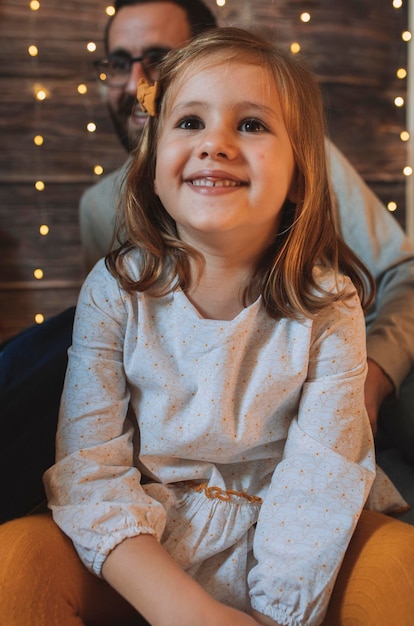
pixel 307 235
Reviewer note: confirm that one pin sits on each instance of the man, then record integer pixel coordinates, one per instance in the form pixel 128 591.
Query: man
pixel 142 26
pixel 140 29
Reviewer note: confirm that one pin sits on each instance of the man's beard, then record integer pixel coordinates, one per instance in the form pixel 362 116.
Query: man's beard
pixel 120 121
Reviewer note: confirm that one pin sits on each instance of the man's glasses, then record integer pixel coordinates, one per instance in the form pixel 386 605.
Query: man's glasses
pixel 115 70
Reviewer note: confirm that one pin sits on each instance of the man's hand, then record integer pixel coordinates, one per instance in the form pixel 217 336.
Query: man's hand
pixel 377 387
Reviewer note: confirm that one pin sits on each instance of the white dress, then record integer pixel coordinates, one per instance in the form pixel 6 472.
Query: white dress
pixel 255 450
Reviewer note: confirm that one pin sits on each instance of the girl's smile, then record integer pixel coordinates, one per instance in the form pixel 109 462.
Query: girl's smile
pixel 217 180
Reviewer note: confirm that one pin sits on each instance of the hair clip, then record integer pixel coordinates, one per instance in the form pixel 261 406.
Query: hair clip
pixel 147 96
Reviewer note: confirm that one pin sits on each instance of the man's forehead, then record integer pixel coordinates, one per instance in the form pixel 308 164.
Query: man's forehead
pixel 140 26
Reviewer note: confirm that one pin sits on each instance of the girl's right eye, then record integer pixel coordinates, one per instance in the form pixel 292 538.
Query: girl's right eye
pixel 190 123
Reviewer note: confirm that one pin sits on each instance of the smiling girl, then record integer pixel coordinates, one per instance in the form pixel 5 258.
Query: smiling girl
pixel 214 454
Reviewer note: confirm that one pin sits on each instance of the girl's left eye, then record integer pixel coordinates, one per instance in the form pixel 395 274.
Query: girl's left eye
pixel 190 123
pixel 252 125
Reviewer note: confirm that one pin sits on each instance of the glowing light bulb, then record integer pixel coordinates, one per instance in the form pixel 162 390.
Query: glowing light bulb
pixel 98 170
pixel 294 47
pixel 40 92
pixel 401 72
pixel 33 50
pixel 38 273
pixel 39 318
pixel 91 46
pixel 406 35
pixel 44 229
pixel 40 185
pixel 38 140
pixel 392 206
pixel 407 171
pixel 399 101
pixel 220 3
pixel 91 127
pixel 35 5
pixel 305 17
pixel 404 135
pixel 110 10
pixel 397 4
pixel 82 89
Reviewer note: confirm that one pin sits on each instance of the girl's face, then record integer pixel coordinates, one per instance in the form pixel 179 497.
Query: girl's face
pixel 224 161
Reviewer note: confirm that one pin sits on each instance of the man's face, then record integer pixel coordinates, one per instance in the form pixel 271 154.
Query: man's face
pixel 135 30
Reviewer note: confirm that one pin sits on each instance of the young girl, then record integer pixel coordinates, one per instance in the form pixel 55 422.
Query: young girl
pixel 214 453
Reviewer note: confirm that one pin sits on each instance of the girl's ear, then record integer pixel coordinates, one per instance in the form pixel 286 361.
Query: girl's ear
pixel 155 187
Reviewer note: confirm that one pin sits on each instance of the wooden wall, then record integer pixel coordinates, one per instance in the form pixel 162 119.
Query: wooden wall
pixel 354 46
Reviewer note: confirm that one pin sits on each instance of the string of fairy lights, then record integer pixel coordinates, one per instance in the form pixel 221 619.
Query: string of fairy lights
pixel 41 93
pixel 410 125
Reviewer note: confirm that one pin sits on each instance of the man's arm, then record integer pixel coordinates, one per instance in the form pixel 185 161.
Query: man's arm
pixel 375 236
pixel 378 386
pixel 98 206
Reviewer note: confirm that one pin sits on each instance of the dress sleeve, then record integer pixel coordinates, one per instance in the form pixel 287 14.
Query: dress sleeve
pixel 318 490
pixel 93 489
pixel 376 237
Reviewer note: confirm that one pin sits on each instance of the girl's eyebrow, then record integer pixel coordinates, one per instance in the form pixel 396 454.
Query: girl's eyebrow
pixel 187 105
pixel 244 104
pixel 261 108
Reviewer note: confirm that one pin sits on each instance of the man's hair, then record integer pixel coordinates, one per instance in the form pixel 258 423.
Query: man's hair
pixel 200 17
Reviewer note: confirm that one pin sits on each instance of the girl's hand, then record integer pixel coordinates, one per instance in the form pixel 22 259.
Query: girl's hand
pixel 144 574
pixel 226 616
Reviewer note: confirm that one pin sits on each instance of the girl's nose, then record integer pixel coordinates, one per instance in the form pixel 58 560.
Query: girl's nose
pixel 218 141
pixel 217 144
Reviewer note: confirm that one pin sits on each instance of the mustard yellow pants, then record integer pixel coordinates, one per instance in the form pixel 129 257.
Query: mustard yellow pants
pixel 43 582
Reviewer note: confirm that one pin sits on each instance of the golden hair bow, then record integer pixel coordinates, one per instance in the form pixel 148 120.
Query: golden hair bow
pixel 147 96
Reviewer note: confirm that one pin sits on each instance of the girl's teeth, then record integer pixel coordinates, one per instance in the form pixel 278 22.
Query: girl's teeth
pixel 204 182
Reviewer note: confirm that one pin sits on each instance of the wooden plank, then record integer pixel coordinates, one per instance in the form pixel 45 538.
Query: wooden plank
pixel 18 308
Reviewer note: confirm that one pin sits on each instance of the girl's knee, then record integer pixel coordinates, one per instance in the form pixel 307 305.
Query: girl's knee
pixel 28 581
pixel 43 581
pixel 24 541
pixel 375 585
pixel 381 539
